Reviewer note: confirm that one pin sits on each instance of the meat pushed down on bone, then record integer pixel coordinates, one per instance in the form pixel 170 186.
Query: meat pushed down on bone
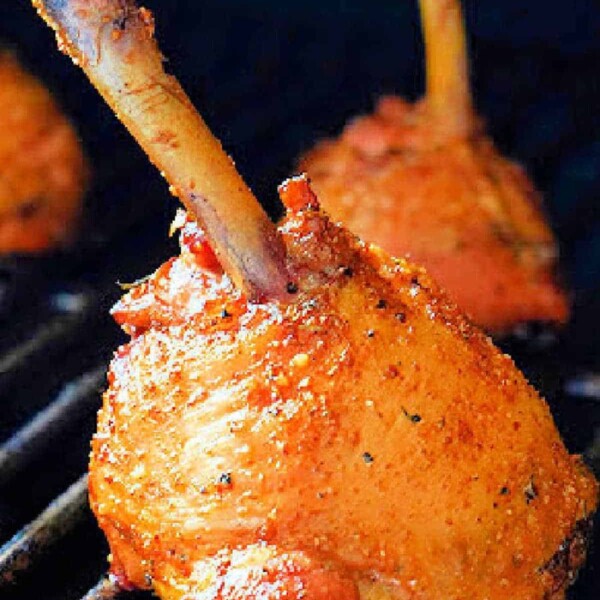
pixel 42 167
pixel 361 441
pixel 425 181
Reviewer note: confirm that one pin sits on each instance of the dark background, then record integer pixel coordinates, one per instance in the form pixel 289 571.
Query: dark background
pixel 306 67
pixel 534 69
pixel 271 78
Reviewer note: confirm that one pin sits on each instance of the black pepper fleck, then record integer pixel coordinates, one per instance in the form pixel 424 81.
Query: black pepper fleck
pixel 401 317
pixel 381 304
pixel 371 333
pixel 414 417
pixel 368 457
pixel 348 271
pixel 225 478
pixel 292 288
pixel 530 492
pixel 504 491
pixel 120 23
pixel 225 314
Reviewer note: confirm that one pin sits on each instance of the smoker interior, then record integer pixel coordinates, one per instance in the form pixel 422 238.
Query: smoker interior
pixel 270 80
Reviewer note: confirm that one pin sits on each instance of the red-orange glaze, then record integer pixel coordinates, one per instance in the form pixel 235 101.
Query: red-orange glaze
pixel 42 167
pixel 470 216
pixel 362 442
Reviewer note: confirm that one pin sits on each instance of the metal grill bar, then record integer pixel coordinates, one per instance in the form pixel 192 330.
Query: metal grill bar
pixel 51 336
pixel 53 523
pixel 592 453
pixel 586 385
pixel 106 589
pixel 27 444
pixel 47 335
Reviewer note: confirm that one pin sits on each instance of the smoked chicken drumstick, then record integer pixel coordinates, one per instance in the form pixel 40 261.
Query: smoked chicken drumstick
pixel 425 181
pixel 353 438
pixel 42 167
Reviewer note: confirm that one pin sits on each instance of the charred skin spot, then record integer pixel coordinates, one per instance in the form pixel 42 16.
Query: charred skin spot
pixel 561 570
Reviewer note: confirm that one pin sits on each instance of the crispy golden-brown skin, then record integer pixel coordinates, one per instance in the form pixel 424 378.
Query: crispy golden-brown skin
pixel 361 442
pixel 453 204
pixel 42 167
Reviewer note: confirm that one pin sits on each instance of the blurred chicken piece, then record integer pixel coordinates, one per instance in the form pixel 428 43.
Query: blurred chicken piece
pixel 424 181
pixel 42 167
pixel 363 441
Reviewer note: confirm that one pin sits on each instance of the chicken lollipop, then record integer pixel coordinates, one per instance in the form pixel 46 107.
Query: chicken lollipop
pixel 426 181
pixel 334 430
pixel 42 167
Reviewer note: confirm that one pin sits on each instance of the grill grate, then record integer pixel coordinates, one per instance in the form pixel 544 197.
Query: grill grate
pixel 76 401
pixel 105 589
pixel 289 78
pixel 27 544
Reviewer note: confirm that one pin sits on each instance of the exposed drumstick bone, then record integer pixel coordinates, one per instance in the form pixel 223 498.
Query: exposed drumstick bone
pixel 448 89
pixel 113 42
